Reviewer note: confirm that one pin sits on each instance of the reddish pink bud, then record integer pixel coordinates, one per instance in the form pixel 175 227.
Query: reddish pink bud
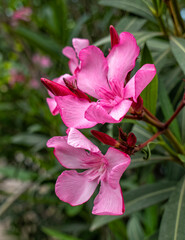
pixel 55 88
pixel 137 107
pixel 104 138
pixel 122 135
pixel 75 90
pixel 114 36
pixel 131 140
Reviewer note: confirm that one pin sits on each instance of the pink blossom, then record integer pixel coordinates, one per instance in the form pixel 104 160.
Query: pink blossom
pixel 23 14
pixel 16 76
pixel 104 78
pixel 75 151
pixel 43 61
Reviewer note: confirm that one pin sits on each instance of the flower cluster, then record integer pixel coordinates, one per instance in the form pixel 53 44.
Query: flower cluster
pixel 98 90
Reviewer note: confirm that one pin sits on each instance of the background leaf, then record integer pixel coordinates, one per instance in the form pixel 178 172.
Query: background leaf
pixel 172 226
pixel 149 94
pixel 138 199
pixel 137 7
pixel 178 50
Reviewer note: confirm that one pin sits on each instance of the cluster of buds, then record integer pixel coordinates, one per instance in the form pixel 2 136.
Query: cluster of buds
pixel 126 142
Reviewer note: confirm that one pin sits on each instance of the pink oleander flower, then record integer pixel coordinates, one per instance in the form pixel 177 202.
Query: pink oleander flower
pixel 43 61
pixel 104 79
pixel 75 151
pixel 23 14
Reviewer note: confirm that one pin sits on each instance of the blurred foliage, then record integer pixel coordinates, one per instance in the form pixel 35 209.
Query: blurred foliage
pixel 29 208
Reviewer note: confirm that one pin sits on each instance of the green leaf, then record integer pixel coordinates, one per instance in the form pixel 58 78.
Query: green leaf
pixel 138 199
pixel 58 235
pixel 149 94
pixel 152 237
pixel 140 162
pixel 130 24
pixel 40 40
pixel 17 173
pixel 167 109
pixel 137 7
pixel 172 225
pixel 178 50
pixel 134 229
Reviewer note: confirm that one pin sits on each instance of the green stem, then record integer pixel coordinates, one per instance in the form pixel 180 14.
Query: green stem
pixel 179 18
pixel 174 141
pixel 174 17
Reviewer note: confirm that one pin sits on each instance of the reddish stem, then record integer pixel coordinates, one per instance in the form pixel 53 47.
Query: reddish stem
pixel 140 146
pixel 180 107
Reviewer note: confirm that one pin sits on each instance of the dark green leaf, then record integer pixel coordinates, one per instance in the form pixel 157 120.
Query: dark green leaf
pixel 167 109
pixel 40 40
pixel 149 94
pixel 137 7
pixel 172 226
pixel 178 50
pixel 58 235
pixel 130 24
pixel 138 199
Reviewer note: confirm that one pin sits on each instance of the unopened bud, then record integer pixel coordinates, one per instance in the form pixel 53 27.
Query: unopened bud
pixel 114 36
pixel 131 140
pixel 76 90
pixel 55 88
pixel 122 135
pixel 105 138
pixel 138 106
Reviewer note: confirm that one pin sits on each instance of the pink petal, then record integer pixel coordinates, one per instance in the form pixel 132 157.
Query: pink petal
pixel 120 110
pixel 115 157
pixel 139 81
pixel 109 201
pixel 52 106
pixel 78 140
pixel 72 110
pixel 97 113
pixel 92 74
pixel 79 44
pixel 73 61
pixel 74 188
pixel 122 57
pixel 69 156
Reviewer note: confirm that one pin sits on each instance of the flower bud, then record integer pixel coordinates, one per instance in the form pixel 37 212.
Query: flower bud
pixel 131 140
pixel 138 106
pixel 105 138
pixel 55 88
pixel 114 36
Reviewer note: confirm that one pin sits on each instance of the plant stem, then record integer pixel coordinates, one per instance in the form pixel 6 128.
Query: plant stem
pixel 179 18
pixel 140 146
pixel 174 17
pixel 180 107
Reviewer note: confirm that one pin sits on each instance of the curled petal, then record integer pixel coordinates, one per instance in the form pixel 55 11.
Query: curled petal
pixel 73 61
pixel 79 44
pixel 96 112
pixel 109 201
pixel 74 188
pixel 139 81
pixel 52 106
pixel 92 74
pixel 78 140
pixel 69 156
pixel 72 111
pixel 120 110
pixel 122 57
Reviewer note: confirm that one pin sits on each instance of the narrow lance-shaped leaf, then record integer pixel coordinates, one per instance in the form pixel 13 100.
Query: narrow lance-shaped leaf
pixel 178 50
pixel 137 7
pixel 172 226
pixel 167 109
pixel 138 199
pixel 149 94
